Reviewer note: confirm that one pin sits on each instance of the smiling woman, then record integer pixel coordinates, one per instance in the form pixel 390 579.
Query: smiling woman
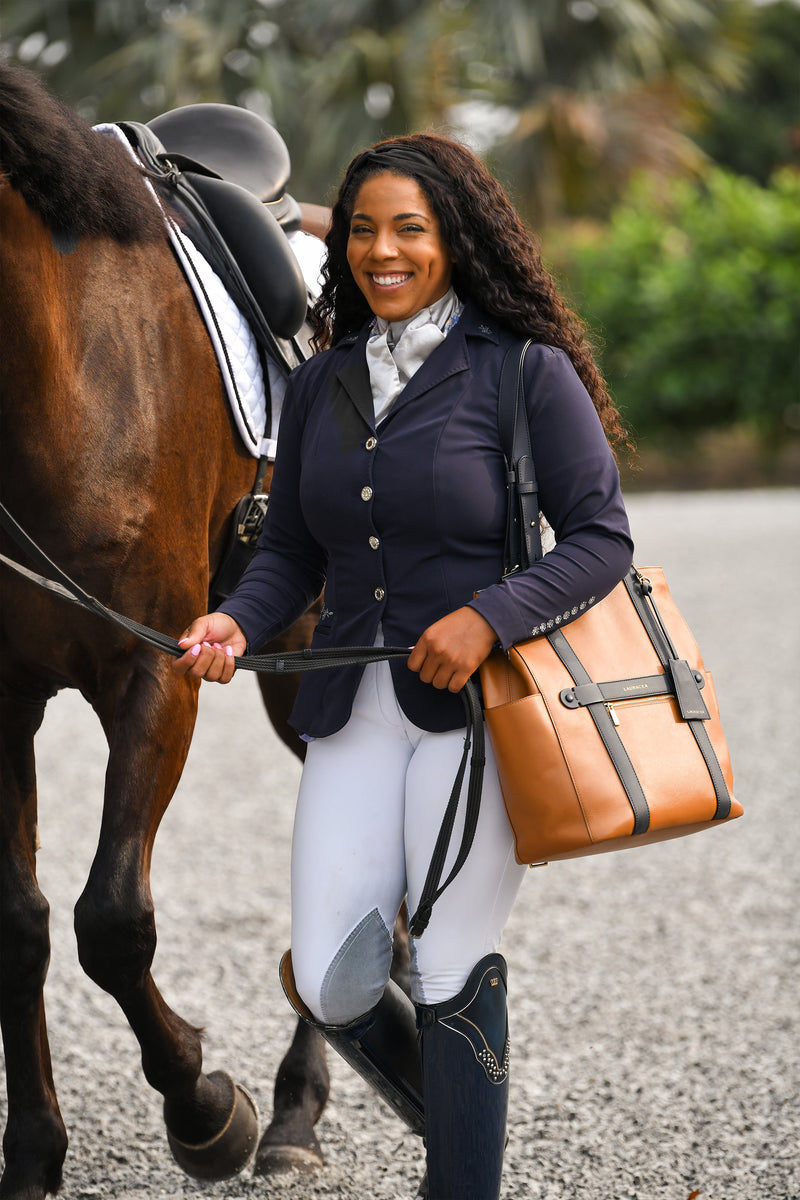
pixel 395 250
pixel 390 489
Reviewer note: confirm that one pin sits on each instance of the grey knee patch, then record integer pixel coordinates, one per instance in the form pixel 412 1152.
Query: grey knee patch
pixel 356 979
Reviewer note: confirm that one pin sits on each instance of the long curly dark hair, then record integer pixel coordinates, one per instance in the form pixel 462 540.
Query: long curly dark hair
pixel 497 261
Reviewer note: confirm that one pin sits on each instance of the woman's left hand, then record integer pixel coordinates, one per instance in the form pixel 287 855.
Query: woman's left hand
pixel 451 650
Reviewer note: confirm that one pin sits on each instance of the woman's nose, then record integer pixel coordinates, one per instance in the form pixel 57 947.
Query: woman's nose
pixel 384 245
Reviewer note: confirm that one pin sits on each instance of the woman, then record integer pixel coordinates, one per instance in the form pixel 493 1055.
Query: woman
pixel 389 490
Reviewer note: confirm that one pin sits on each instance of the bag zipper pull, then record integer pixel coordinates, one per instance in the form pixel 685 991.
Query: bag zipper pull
pixel 612 713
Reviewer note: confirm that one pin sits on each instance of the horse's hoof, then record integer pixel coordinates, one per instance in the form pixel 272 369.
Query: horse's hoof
pixel 281 1159
pixel 229 1151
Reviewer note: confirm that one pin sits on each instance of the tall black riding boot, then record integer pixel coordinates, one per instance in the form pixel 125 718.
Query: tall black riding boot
pixel 465 1073
pixel 382 1046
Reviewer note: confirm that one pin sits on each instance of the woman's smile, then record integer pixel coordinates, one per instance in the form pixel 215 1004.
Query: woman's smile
pixel 390 281
pixel 395 249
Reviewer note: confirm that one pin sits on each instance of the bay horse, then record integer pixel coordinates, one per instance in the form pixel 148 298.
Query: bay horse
pixel 119 457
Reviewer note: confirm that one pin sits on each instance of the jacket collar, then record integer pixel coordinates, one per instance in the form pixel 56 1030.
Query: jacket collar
pixel 447 360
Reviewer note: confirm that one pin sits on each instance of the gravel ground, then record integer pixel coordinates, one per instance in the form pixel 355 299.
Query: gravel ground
pixel 653 994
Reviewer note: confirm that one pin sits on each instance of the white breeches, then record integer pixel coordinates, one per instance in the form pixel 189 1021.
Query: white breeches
pixel 371 802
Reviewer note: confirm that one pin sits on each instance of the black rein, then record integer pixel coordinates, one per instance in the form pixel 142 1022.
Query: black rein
pixel 60 584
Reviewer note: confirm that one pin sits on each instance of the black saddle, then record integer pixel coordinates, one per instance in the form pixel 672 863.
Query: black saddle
pixel 236 231
pixel 236 145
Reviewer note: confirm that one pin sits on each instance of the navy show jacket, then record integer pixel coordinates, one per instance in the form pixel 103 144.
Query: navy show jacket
pixel 405 523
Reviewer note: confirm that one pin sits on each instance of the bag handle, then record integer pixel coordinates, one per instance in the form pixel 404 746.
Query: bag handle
pixel 523 543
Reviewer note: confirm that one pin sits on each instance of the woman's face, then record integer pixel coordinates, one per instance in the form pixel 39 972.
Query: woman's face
pixel 395 249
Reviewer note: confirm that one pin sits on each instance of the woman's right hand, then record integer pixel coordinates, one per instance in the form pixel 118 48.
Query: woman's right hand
pixel 211 643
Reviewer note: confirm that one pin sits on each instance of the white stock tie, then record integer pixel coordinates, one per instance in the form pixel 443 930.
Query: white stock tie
pixel 396 351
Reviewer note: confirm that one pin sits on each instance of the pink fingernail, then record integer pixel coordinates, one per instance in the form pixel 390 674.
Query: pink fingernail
pixel 229 651
pixel 196 650
pixel 217 646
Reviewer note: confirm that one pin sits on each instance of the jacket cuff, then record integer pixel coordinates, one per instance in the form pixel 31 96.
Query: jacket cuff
pixel 502 614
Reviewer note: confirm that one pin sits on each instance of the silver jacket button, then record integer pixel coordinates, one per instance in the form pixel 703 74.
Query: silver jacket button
pixel 374 542
pixel 366 493
pixel 379 593
pixel 370 443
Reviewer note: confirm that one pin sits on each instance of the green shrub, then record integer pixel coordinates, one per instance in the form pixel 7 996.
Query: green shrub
pixel 695 292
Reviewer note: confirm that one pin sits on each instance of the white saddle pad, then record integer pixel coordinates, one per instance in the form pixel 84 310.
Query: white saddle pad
pixel 229 331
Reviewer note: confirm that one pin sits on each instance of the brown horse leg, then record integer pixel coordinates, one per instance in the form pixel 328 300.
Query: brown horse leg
pixel 212 1124
pixel 35 1141
pixel 302 1086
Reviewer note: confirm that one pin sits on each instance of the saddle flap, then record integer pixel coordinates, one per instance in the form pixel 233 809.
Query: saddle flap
pixel 259 245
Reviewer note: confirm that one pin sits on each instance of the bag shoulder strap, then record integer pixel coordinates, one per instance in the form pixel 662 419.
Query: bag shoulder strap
pixel 523 543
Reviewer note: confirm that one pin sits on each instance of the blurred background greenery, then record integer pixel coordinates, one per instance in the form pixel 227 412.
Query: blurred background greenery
pixel 654 146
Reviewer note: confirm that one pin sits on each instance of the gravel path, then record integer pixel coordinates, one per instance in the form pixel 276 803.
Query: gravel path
pixel 653 994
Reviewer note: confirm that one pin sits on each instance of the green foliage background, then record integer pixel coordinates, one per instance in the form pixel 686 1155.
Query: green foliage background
pixel 696 291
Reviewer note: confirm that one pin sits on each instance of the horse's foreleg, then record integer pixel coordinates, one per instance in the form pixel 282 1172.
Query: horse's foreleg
pixel 212 1124
pixel 35 1141
pixel 302 1086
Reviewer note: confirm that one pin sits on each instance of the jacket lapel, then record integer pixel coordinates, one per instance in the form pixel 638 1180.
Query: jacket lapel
pixel 448 359
pixel 353 376
pixel 351 396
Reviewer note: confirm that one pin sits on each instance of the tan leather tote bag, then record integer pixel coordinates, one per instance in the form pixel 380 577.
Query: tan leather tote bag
pixel 604 738
pixel 606 731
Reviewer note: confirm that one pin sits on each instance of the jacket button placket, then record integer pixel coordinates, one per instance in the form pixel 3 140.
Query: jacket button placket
pixel 367 494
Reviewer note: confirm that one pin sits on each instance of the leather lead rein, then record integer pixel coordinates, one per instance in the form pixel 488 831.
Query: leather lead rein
pixel 290 663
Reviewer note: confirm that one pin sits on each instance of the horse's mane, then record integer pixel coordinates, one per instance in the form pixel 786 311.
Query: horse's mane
pixel 68 174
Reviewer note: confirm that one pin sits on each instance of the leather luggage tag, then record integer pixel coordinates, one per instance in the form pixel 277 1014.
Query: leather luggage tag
pixel 687 691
